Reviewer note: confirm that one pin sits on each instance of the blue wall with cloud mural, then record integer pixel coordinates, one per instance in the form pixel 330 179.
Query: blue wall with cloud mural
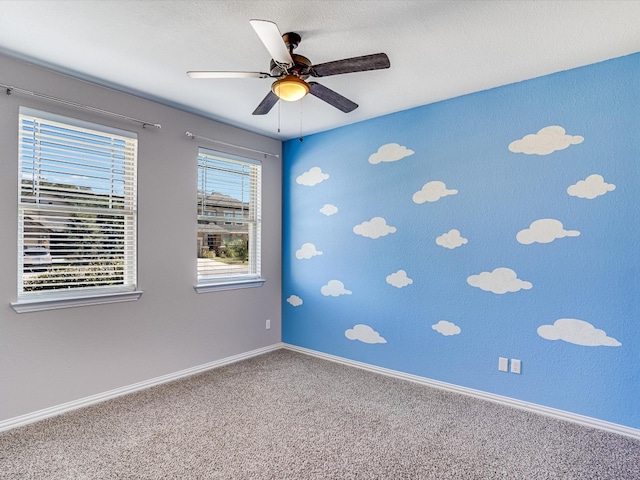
pixel 503 223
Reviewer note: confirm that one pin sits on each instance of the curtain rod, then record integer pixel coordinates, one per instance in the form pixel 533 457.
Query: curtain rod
pixel 78 105
pixel 194 136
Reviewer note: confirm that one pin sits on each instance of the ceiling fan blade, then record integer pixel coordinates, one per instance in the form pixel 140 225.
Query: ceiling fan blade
pixel 272 39
pixel 376 61
pixel 266 104
pixel 211 74
pixel 331 97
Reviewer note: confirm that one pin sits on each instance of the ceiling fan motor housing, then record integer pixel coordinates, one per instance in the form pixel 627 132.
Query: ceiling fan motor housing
pixel 301 67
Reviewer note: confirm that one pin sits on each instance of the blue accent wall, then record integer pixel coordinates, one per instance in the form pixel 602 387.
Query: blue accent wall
pixel 503 223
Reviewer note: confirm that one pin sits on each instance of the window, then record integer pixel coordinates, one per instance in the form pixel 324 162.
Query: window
pixel 76 212
pixel 229 251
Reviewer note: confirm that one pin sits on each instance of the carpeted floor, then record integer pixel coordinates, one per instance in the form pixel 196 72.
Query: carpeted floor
pixel 285 415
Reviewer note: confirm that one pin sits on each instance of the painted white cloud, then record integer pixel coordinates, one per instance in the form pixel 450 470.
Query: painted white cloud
pixel 306 251
pixel 578 332
pixel 364 333
pixel 501 280
pixel 313 177
pixel 545 230
pixel 446 328
pixel 374 228
pixel 591 187
pixel 432 192
pixel 329 209
pixel 546 141
pixel 451 239
pixel 334 288
pixel 399 279
pixel 390 152
pixel 294 300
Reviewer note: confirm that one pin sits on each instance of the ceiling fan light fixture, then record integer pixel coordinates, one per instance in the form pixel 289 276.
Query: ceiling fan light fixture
pixel 290 88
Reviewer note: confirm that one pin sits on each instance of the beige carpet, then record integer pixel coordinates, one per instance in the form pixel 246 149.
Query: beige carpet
pixel 285 415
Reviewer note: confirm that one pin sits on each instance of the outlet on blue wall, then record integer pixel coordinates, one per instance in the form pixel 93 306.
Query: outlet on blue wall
pixel 503 223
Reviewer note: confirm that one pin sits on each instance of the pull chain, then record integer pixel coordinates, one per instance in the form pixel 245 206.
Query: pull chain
pixel 300 137
pixel 279 102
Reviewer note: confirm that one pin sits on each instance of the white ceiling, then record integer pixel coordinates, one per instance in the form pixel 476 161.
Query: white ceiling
pixel 437 49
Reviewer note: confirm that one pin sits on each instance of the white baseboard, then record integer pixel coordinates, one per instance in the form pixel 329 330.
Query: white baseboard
pixel 101 397
pixel 511 402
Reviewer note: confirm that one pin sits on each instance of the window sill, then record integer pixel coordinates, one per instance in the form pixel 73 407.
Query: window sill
pixel 229 285
pixel 39 304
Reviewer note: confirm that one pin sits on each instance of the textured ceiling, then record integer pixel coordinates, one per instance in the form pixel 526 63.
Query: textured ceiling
pixel 437 49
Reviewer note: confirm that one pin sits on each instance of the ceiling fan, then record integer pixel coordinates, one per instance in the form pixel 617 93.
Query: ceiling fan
pixel 291 70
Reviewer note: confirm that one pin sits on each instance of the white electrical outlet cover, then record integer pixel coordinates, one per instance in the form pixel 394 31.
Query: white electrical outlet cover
pixel 515 365
pixel 503 364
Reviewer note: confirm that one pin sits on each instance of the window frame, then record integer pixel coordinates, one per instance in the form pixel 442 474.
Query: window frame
pixel 54 298
pixel 254 230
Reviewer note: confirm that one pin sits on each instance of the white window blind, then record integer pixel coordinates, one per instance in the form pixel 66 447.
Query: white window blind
pixel 228 200
pixel 76 208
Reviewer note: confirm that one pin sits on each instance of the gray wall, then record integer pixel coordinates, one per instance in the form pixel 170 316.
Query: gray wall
pixel 52 357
